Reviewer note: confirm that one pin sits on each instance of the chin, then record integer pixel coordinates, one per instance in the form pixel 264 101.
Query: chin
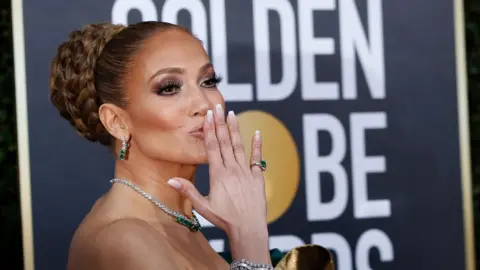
pixel 195 162
pixel 203 162
pixel 192 153
pixel 196 159
pixel 203 159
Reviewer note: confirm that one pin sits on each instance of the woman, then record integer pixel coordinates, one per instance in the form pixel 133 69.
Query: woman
pixel 149 93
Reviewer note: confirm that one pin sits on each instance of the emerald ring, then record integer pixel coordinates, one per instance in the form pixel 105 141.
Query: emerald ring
pixel 262 164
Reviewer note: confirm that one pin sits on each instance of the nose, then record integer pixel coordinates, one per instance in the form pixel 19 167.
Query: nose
pixel 200 104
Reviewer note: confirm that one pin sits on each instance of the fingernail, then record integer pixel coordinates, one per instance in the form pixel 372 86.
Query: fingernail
pixel 219 109
pixel 174 183
pixel 209 115
pixel 231 114
pixel 257 134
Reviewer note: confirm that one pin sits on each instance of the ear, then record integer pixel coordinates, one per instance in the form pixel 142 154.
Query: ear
pixel 115 120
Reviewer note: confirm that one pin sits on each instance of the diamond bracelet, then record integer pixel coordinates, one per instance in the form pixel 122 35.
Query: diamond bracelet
pixel 246 265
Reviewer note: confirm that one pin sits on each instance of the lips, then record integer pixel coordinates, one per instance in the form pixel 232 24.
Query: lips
pixel 197 132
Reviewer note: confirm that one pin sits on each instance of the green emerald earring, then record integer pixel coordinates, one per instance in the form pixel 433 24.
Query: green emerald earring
pixel 123 151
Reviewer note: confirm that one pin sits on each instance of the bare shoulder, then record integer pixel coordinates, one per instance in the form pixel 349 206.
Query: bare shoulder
pixel 122 244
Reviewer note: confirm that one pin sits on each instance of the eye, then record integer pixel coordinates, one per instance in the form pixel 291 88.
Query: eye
pixel 212 82
pixel 169 88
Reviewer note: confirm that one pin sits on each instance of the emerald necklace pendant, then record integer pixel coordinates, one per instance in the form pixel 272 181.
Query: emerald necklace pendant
pixel 194 227
pixel 191 223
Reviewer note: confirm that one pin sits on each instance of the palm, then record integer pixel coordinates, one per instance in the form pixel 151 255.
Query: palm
pixel 237 191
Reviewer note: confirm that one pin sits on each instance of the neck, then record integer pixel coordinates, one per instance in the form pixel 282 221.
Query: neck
pixel 152 175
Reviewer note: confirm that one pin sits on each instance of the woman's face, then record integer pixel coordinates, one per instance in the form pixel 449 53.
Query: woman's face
pixel 171 86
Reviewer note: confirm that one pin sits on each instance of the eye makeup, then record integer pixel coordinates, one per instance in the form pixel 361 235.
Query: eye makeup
pixel 171 86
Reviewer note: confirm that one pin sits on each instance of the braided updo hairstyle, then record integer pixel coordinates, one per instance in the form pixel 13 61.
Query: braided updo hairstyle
pixel 90 68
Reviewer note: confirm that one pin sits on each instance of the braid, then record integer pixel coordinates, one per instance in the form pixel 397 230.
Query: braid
pixel 72 80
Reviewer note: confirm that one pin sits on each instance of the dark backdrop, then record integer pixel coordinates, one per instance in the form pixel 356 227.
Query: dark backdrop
pixel 9 211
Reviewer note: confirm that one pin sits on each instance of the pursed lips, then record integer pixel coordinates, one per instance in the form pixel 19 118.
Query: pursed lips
pixel 197 132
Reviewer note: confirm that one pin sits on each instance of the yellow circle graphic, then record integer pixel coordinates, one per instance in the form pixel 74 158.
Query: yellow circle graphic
pixel 279 150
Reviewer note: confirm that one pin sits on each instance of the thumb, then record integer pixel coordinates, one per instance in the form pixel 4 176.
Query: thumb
pixel 187 189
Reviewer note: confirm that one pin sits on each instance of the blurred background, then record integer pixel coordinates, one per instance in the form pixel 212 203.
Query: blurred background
pixel 11 253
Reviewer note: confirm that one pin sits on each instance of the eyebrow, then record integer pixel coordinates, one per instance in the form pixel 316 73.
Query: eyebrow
pixel 174 70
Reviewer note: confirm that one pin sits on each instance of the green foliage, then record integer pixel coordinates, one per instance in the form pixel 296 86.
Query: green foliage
pixel 10 225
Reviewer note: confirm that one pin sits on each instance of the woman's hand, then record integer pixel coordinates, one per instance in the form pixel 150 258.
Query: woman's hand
pixel 236 202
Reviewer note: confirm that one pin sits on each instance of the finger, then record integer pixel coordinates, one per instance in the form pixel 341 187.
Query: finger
pixel 223 136
pixel 187 189
pixel 256 154
pixel 237 142
pixel 211 142
pixel 199 202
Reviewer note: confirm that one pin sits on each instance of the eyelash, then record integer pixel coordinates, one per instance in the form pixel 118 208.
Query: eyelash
pixel 213 81
pixel 167 87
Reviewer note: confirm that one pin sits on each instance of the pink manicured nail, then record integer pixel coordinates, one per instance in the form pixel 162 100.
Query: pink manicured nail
pixel 209 116
pixel 219 110
pixel 174 183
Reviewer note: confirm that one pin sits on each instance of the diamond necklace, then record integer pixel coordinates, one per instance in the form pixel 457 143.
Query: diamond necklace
pixel 192 223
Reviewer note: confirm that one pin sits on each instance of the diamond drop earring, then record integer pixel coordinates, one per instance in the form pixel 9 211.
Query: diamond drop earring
pixel 123 151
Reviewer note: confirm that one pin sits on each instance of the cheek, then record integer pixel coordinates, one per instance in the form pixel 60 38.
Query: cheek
pixel 156 120
pixel 216 97
pixel 154 130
